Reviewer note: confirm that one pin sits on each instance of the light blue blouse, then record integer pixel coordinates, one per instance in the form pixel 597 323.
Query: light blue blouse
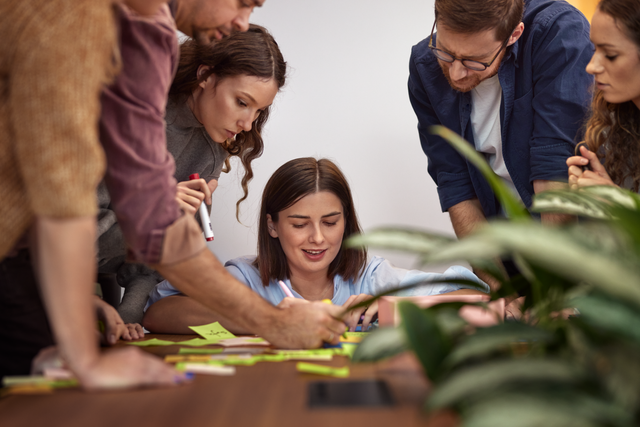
pixel 379 275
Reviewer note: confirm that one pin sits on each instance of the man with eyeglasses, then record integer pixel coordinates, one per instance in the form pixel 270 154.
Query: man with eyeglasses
pixel 509 76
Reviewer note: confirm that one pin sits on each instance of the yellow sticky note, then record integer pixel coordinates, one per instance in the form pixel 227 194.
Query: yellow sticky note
pixel 212 332
pixel 312 368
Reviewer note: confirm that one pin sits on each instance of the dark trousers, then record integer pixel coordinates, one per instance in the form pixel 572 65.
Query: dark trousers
pixel 24 328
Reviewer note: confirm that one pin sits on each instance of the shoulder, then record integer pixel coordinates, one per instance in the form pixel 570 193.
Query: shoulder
pixel 541 15
pixel 242 268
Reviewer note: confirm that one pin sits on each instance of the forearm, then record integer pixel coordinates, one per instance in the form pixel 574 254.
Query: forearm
pixel 540 186
pixel 174 315
pixel 466 216
pixel 64 257
pixel 206 281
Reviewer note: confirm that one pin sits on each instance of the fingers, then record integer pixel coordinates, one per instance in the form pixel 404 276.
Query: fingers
pixel 189 200
pixel 289 301
pixel 130 331
pixel 127 368
pixel 594 162
pixel 353 317
pixel 368 315
pixel 577 161
pixel 195 186
pixel 306 325
pixel 113 325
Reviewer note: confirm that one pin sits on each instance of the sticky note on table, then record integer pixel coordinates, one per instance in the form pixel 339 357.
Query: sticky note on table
pixel 212 332
pixel 312 368
pixel 199 368
pixel 239 341
pixel 200 350
pixel 152 341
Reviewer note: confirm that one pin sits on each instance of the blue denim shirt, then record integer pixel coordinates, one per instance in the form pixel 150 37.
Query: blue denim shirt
pixel 545 97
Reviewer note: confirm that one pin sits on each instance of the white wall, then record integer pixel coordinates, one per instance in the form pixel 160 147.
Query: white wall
pixel 345 99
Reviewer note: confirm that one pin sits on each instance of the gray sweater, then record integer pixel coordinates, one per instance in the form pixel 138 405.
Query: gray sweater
pixel 194 152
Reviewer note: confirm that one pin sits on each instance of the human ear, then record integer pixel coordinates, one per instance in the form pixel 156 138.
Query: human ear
pixel 271 227
pixel 202 70
pixel 515 35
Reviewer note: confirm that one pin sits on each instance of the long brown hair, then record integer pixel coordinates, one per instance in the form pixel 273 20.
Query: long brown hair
pixel 291 182
pixel 250 53
pixel 613 130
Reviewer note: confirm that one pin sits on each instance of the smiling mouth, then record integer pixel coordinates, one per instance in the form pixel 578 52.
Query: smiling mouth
pixel 316 252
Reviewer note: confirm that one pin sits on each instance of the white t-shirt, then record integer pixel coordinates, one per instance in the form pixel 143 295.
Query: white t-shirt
pixel 485 122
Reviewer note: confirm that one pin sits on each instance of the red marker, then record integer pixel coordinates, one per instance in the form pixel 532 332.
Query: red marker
pixel 205 219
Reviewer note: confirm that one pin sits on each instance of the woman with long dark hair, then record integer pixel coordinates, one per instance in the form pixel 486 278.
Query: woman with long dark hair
pixel 613 129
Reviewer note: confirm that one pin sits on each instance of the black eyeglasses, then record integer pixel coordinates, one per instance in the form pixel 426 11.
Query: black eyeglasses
pixel 469 63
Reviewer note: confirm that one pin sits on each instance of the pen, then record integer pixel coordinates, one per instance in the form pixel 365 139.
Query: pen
pixel 285 289
pixel 204 215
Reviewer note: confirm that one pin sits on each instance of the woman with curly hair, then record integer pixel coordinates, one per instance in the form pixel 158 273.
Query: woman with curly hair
pixel 613 130
pixel 218 103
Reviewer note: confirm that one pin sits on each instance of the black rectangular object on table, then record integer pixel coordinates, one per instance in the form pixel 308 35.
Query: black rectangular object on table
pixel 324 394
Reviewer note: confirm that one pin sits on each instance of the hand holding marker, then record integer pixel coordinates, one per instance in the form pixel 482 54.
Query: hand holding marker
pixel 288 293
pixel 205 219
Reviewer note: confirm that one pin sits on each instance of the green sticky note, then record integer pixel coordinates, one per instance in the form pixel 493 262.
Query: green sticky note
pixel 348 349
pixel 312 368
pixel 200 350
pixel 212 332
pixel 358 334
pixel 196 342
pixel 153 341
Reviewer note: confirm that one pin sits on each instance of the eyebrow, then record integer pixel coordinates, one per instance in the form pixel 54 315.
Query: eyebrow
pixel 605 45
pixel 307 217
pixel 258 3
pixel 473 58
pixel 249 96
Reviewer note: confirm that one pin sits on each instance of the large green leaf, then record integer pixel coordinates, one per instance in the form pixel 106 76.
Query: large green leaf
pixel 572 203
pixel 404 239
pixel 554 249
pixel 510 203
pixel 500 337
pixel 609 315
pixel 489 377
pixel 530 408
pixel 592 202
pixel 425 337
pixel 380 344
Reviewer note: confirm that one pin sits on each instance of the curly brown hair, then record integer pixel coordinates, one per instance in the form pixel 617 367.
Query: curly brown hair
pixel 613 130
pixel 250 53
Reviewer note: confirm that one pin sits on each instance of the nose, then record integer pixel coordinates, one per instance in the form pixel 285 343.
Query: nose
pixel 594 67
pixel 241 21
pixel 316 235
pixel 245 124
pixel 457 71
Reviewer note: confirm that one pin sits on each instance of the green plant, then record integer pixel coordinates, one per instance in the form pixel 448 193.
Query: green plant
pixel 549 370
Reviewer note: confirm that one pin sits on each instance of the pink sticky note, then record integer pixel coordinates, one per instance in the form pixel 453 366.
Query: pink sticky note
pixel 478 316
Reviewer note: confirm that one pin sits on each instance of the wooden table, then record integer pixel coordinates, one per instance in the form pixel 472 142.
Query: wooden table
pixel 266 394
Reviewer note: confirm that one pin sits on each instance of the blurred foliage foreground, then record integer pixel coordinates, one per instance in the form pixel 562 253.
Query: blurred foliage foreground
pixel 544 369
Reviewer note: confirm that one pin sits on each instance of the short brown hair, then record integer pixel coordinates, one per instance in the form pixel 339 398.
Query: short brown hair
pixel 474 16
pixel 291 182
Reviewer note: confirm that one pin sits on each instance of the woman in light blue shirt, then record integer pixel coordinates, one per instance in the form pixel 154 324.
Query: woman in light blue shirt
pixel 307 211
